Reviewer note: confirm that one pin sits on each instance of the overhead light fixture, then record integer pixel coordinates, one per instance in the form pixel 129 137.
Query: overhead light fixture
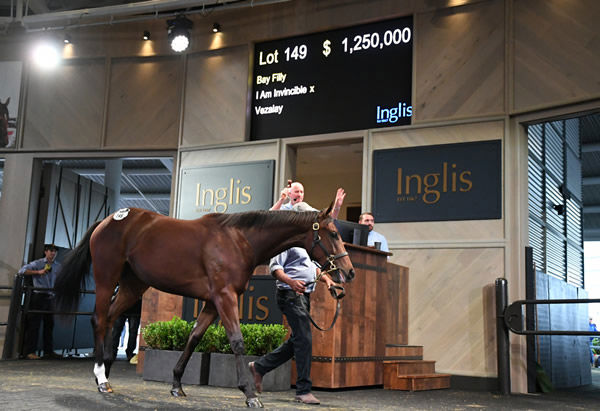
pixel 67 39
pixel 178 33
pixel 216 27
pixel 146 35
pixel 46 55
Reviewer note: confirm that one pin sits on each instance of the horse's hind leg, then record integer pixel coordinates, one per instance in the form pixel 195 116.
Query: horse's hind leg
pixel 102 321
pixel 205 318
pixel 227 307
pixel 99 323
pixel 130 290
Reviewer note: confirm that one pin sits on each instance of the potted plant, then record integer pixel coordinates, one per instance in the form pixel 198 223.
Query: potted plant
pixel 167 340
pixel 259 339
pixel 212 362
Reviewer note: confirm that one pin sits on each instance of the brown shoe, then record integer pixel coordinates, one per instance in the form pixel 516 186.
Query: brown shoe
pixel 307 399
pixel 32 356
pixel 257 377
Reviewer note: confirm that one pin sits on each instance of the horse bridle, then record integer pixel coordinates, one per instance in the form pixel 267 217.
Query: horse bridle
pixel 330 256
pixel 336 291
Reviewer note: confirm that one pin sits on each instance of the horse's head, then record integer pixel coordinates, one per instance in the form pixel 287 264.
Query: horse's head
pixel 328 249
pixel 4 109
pixel 4 122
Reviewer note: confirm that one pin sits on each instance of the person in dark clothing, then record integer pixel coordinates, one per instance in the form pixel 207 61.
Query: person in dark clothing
pixel 132 316
pixel 43 272
pixel 296 276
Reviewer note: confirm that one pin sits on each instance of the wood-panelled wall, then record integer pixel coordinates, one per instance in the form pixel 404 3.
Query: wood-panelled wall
pixel 459 62
pixel 476 66
pixel 556 52
pixel 144 104
pixel 451 311
pixel 452 265
pixel 64 108
pixel 215 99
pixel 481 58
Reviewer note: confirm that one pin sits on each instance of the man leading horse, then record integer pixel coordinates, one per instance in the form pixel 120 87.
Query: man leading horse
pixel 210 258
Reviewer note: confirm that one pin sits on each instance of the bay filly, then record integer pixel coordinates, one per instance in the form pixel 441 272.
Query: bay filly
pixel 211 258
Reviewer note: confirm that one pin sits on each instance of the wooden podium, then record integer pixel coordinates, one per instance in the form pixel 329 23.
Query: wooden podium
pixel 373 314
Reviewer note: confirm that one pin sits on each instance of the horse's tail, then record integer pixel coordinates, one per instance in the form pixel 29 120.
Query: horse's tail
pixel 72 276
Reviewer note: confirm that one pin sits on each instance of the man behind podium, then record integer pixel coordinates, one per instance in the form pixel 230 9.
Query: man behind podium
pixel 374 237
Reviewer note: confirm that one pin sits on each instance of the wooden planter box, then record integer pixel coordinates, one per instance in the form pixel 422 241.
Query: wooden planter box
pixel 223 374
pixel 159 364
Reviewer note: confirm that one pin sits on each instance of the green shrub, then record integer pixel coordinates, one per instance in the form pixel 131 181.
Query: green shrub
pixel 259 339
pixel 214 340
pixel 167 335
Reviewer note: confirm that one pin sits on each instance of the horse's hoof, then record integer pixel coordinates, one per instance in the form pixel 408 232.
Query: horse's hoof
pixel 104 388
pixel 254 403
pixel 177 392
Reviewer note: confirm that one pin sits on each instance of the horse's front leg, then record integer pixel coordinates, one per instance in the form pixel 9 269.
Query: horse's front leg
pixel 245 380
pixel 227 307
pixel 206 317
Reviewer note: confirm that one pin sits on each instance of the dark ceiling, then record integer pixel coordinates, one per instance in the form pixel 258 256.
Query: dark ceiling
pixel 36 15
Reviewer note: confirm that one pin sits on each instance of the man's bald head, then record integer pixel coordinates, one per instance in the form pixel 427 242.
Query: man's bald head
pixel 296 193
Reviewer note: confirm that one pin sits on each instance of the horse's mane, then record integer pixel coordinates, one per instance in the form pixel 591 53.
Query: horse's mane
pixel 258 219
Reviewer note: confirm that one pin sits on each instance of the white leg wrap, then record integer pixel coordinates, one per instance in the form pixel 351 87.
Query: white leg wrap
pixel 100 373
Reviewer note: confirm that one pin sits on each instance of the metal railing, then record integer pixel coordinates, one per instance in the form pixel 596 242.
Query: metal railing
pixel 510 318
pixel 19 309
pixel 4 324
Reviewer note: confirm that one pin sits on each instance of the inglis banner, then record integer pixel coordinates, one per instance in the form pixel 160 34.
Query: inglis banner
pixel 438 183
pixel 225 188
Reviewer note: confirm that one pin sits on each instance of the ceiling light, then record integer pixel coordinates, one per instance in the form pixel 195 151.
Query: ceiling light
pixel 146 35
pixel 46 55
pixel 178 33
pixel 216 28
pixel 67 39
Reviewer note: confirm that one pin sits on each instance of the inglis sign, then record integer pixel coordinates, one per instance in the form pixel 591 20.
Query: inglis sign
pixel 437 183
pixel 225 188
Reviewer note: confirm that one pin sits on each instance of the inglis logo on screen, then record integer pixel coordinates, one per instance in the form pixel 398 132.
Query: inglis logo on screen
pixel 393 114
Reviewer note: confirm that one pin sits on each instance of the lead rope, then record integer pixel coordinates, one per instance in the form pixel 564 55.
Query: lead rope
pixel 338 297
pixel 336 291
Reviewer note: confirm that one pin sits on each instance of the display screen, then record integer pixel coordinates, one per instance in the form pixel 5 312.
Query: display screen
pixel 347 79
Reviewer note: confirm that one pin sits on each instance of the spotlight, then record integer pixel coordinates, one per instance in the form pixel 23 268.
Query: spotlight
pixel 67 39
pixel 178 33
pixel 46 56
pixel 146 35
pixel 216 28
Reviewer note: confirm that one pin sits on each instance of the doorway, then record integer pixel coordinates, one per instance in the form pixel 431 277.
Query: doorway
pixel 563 196
pixel 324 167
pixel 69 195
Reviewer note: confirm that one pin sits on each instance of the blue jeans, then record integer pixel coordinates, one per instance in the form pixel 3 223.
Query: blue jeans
pixel 295 307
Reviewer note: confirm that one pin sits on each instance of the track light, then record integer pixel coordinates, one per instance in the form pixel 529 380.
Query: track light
pixel 146 35
pixel 216 28
pixel 46 55
pixel 178 33
pixel 67 39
